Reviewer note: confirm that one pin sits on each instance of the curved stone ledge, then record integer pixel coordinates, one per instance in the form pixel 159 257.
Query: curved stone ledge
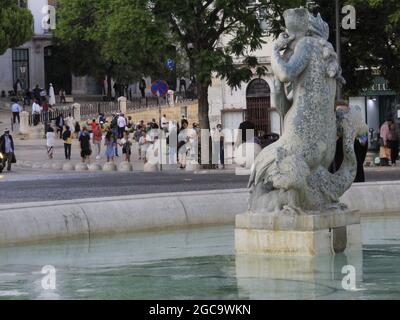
pixel 30 222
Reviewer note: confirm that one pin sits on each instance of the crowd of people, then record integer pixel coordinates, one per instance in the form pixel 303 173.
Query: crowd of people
pixel 118 134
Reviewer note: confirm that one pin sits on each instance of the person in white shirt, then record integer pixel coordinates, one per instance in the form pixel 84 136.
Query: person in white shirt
pixel 16 109
pixel 69 121
pixel 183 144
pixel 36 109
pixel 164 123
pixel 121 122
pixel 144 145
pixel 50 142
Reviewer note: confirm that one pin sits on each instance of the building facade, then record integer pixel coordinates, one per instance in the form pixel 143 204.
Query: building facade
pixel 35 62
pixel 251 101
pixel 231 106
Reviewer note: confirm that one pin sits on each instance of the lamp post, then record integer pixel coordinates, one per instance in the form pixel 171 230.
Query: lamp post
pixel 338 45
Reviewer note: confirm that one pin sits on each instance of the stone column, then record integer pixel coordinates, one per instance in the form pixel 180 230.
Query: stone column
pixel 24 125
pixel 77 112
pixel 171 100
pixel 122 102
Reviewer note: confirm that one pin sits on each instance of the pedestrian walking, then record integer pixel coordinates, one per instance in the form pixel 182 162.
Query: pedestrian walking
pixel 45 111
pixel 60 122
pixel 84 140
pixel 110 143
pixel 384 151
pixel 97 138
pixel 67 137
pixel 121 123
pixel 70 122
pixel 93 125
pixel 164 123
pixel 16 109
pixel 218 152
pixel 36 93
pixel 7 150
pixel 143 146
pixel 62 96
pixel 36 109
pixel 50 142
pixel 126 144
pixel 77 130
pixel 172 141
pixel 183 144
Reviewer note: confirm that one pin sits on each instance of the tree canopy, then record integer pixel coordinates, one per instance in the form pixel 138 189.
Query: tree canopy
pixel 372 47
pixel 115 38
pixel 15 25
pixel 213 33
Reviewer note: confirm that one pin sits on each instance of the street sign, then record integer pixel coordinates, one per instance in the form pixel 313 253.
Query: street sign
pixel 159 88
pixel 170 64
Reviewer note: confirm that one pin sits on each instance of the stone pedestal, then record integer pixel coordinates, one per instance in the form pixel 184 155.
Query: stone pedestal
pixel 149 167
pixel 109 166
pixel 95 167
pixel 24 125
pixel 298 235
pixel 36 132
pixel 125 167
pixel 69 166
pixel 77 112
pixel 81 167
pixel 122 102
pixel 282 277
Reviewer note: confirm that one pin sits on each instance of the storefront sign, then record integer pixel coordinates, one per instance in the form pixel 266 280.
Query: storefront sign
pixel 379 87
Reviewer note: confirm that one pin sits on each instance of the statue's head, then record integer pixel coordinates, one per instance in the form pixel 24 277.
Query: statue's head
pixel 300 21
pixel 296 21
pixel 318 27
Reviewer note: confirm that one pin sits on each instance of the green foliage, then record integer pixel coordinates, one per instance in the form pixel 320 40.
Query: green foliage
pixel 201 26
pixel 117 38
pixel 15 25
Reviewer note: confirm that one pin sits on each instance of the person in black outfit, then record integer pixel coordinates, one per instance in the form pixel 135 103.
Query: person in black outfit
pixel 142 87
pixel 245 136
pixel 67 137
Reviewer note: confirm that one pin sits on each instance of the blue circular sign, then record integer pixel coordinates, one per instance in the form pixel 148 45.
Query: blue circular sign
pixel 159 88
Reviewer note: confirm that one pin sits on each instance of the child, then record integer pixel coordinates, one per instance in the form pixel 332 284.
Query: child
pixel 110 144
pixel 143 146
pixel 126 144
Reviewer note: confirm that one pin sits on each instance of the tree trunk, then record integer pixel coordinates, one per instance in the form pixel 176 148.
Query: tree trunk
pixel 109 89
pixel 204 121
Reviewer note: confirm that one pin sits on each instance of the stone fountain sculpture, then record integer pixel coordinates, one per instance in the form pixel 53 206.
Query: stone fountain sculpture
pixel 291 188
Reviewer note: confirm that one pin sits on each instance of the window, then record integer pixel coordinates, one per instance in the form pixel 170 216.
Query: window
pixel 22 3
pixel 20 65
pixel 261 14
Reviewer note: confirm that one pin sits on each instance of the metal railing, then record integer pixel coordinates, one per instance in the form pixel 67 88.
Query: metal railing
pixel 51 114
pixel 91 110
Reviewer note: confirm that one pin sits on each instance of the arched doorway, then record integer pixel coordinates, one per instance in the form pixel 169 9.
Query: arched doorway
pixel 258 97
pixel 57 70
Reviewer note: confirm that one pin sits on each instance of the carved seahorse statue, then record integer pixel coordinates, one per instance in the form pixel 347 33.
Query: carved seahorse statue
pixel 293 173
